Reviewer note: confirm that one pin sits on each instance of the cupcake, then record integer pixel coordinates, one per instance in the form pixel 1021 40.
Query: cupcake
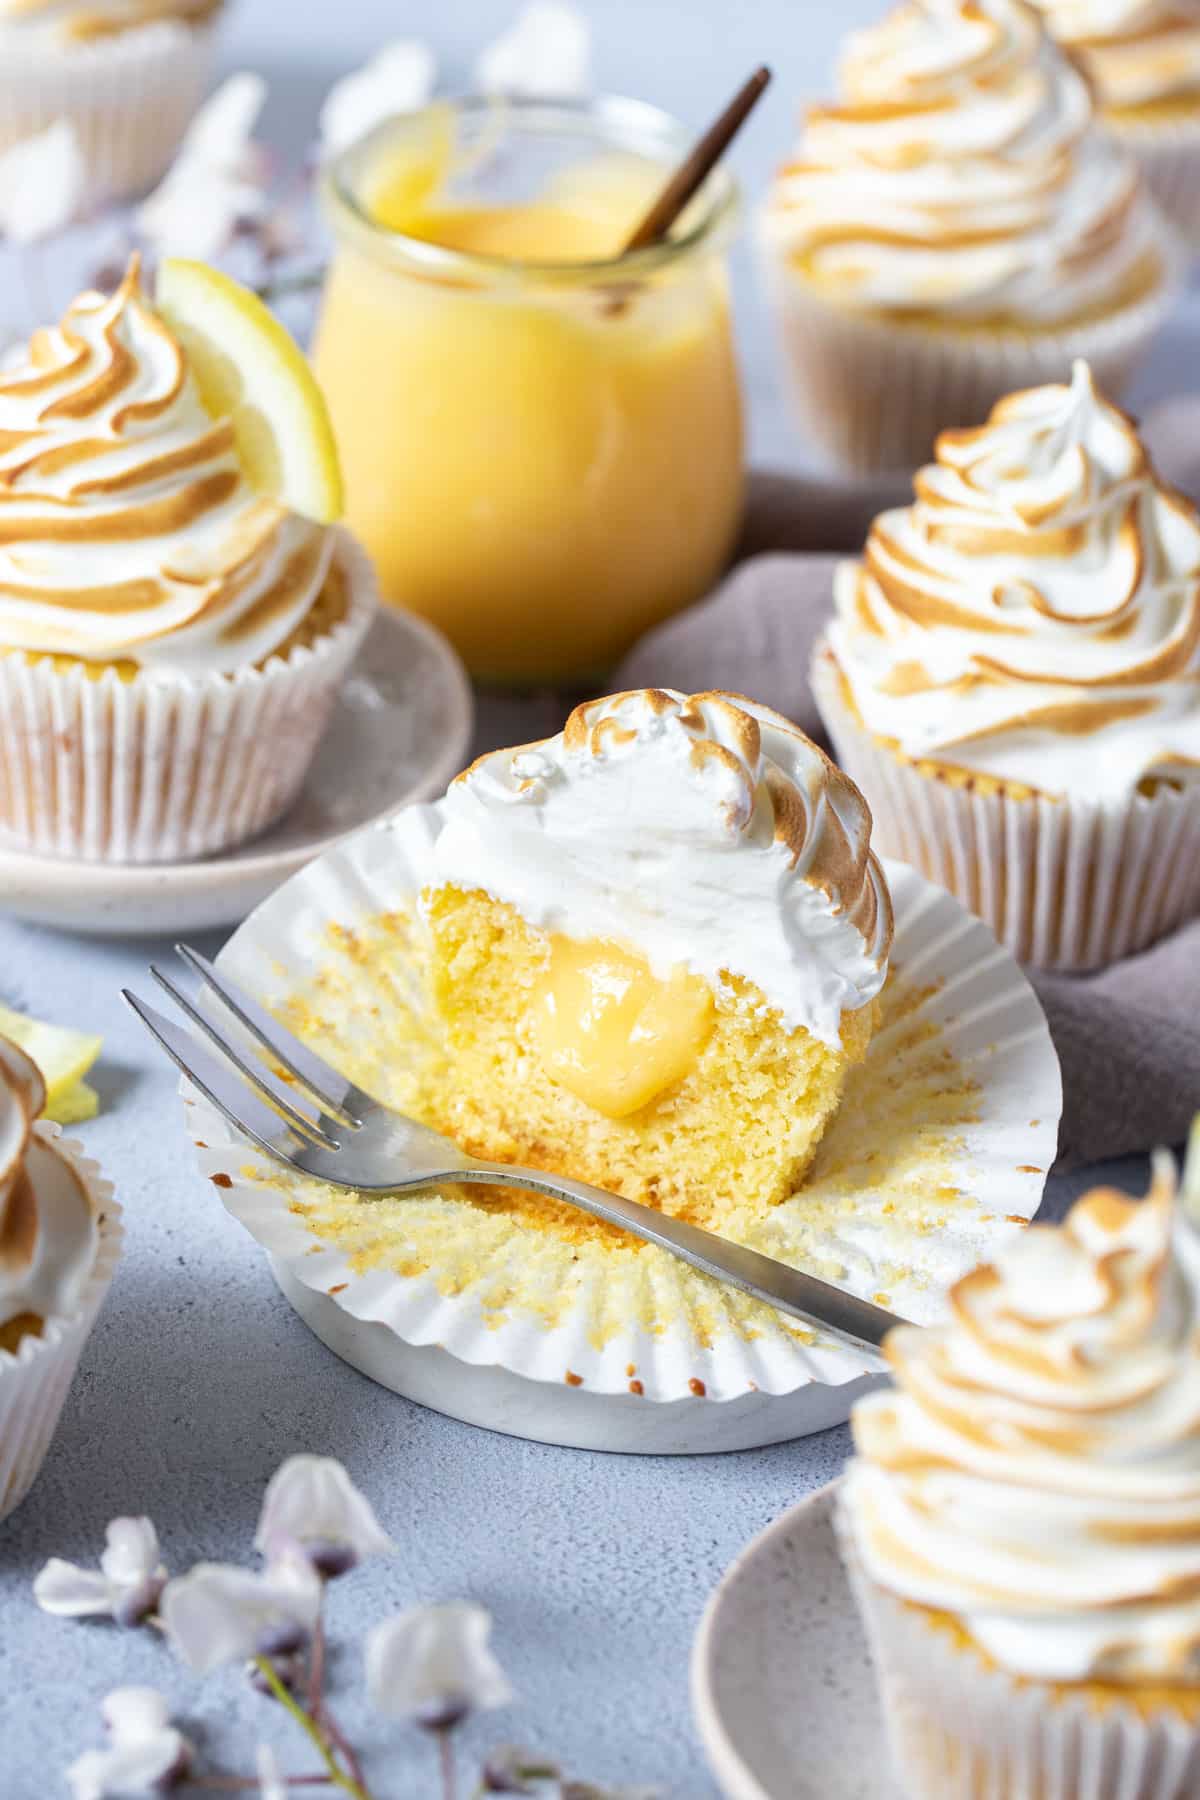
pixel 656 943
pixel 59 1240
pixel 1013 679
pixel 171 642
pixel 1021 1520
pixel 954 227
pixel 1142 58
pixel 126 74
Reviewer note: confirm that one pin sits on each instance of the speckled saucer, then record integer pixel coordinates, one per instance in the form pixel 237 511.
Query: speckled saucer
pixel 401 728
pixel 782 1688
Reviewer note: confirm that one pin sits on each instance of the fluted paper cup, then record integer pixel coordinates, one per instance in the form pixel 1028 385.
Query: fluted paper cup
pixel 34 1378
pixel 1168 152
pixel 943 1137
pixel 872 394
pixel 959 1727
pixel 1070 884
pixel 129 96
pixel 163 767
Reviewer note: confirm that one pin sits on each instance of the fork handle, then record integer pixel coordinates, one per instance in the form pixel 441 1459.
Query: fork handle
pixel 819 1304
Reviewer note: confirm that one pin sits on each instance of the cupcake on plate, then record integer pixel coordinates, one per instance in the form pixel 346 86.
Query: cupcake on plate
pixel 172 639
pixel 953 227
pixel 1013 679
pixel 59 1241
pixel 656 946
pixel 1022 1517
pixel 1142 58
pixel 127 74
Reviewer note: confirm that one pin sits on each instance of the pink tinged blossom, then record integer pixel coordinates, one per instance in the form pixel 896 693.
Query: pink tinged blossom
pixel 216 182
pixel 145 1754
pixel 126 1587
pixel 220 1614
pixel 433 1664
pixel 312 1508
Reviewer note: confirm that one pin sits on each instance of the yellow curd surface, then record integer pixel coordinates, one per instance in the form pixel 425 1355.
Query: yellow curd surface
pixel 543 466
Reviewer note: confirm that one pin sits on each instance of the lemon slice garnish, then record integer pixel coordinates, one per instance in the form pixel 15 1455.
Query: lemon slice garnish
pixel 64 1058
pixel 250 369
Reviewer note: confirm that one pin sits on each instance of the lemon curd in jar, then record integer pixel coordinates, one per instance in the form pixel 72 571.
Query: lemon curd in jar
pixel 541 438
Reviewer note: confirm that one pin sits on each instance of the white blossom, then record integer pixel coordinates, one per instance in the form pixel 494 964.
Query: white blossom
pixel 271 1784
pixel 145 1753
pixel 220 1614
pixel 433 1664
pixel 398 79
pixel 125 1587
pixel 43 184
pixel 216 181
pixel 545 53
pixel 312 1508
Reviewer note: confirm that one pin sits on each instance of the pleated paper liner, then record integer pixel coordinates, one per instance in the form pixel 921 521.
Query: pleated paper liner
pixel 937 1157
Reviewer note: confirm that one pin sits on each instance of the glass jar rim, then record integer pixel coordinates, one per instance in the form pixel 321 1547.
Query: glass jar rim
pixel 644 128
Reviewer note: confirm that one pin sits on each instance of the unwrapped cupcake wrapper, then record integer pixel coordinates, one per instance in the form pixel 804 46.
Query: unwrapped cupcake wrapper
pixel 129 96
pixel 1070 884
pixel 959 1728
pixel 165 768
pixel 872 395
pixel 1169 156
pixel 34 1379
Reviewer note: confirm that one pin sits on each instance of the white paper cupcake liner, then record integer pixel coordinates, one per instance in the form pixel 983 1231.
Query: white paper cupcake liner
pixel 129 97
pixel 871 395
pixel 942 1142
pixel 35 1378
pixel 165 768
pixel 1070 884
pixel 1169 155
pixel 960 1729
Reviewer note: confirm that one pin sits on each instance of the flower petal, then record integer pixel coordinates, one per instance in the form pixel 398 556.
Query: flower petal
pixel 545 53
pixel 43 184
pixel 216 181
pixel 434 1660
pixel 69 1592
pixel 145 1754
pixel 131 1554
pixel 311 1500
pixel 398 79
pixel 219 1614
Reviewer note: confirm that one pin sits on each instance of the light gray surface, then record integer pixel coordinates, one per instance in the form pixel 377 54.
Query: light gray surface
pixel 199 1379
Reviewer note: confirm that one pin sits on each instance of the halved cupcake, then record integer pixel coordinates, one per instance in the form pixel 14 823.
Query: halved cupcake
pixel 126 74
pixel 656 945
pixel 172 636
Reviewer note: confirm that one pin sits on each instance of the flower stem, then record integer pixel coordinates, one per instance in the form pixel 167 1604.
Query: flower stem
pixel 446 1757
pixel 349 1783
pixel 280 287
pixel 320 1711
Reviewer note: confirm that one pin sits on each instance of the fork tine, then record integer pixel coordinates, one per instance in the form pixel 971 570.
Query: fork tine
pixel 219 1085
pixel 329 1088
pixel 310 1128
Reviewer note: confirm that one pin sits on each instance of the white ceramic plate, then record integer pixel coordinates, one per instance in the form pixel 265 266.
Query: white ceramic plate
pixel 782 1686
pixel 400 731
pixel 907 1199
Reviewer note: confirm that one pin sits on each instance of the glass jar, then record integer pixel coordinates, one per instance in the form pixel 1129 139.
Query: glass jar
pixel 544 457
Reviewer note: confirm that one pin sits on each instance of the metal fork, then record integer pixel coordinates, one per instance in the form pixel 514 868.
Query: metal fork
pixel 318 1124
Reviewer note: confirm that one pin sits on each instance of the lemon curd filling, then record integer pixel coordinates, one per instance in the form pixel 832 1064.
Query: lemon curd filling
pixel 611 1032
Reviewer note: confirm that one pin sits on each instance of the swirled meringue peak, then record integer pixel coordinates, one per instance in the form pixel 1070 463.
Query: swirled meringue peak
pixel 960 175
pixel 48 1230
pixel 1134 52
pixel 128 530
pixel 1036 1470
pixel 705 832
pixel 1035 614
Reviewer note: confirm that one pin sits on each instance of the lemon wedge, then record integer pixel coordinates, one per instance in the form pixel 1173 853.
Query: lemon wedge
pixel 64 1058
pixel 250 369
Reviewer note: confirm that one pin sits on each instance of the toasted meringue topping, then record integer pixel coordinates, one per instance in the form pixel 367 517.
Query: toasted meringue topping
pixel 1134 52
pixel 705 832
pixel 81 21
pixel 960 174
pixel 1035 614
pixel 127 528
pixel 48 1232
pixel 1036 1471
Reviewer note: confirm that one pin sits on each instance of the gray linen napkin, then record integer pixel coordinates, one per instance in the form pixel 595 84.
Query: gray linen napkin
pixel 1128 1038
